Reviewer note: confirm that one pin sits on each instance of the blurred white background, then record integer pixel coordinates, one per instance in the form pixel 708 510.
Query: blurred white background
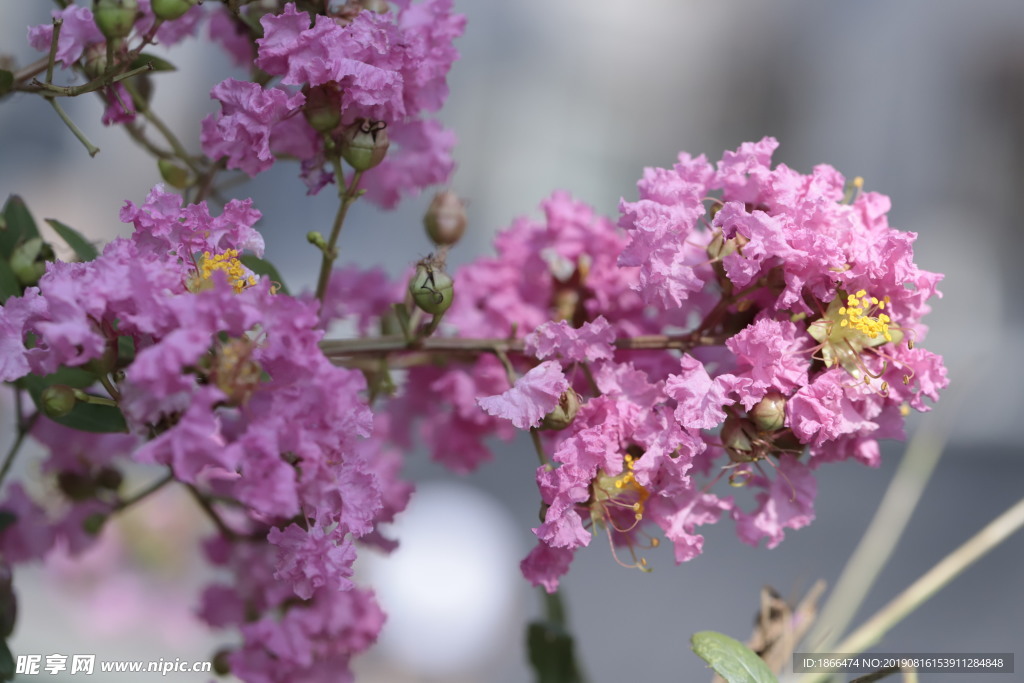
pixel 923 98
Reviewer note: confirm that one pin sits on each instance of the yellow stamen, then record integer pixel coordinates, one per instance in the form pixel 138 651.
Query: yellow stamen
pixel 228 263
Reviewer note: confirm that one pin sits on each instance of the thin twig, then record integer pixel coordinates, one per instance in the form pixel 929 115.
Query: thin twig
pixel 337 349
pixel 23 427
pixel 875 628
pixel 207 507
pixel 146 492
pixel 887 526
pixel 347 196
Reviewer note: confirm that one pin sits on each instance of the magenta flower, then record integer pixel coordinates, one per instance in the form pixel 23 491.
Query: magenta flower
pixel 532 396
pixel 77 33
pixel 243 131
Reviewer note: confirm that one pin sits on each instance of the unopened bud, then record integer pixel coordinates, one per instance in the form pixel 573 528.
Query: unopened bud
pixel 364 144
pixel 29 260
pixel 323 106
pixel 115 18
pixel 564 413
pixel 57 400
pixel 719 247
pixel 769 415
pixel 94 60
pixel 176 176
pixel 737 439
pixel 432 289
pixel 169 10
pixel 445 219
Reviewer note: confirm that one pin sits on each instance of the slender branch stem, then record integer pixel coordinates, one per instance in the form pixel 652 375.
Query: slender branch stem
pixel 92 149
pixel 22 427
pixel 92 86
pixel 52 57
pixel 347 195
pixel 510 372
pixel 337 349
pixel 169 136
pixel 538 446
pixel 138 135
pixel 875 628
pixel 109 386
pixel 207 507
pixel 32 70
pixel 146 492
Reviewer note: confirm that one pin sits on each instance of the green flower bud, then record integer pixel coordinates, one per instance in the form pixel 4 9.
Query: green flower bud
pixel 28 261
pixel 769 414
pixel 445 219
pixel 323 106
pixel 168 10
pixel 57 400
pixel 432 289
pixel 738 439
pixel 115 18
pixel 364 144
pixel 564 413
pixel 176 176
pixel 719 247
pixel 94 60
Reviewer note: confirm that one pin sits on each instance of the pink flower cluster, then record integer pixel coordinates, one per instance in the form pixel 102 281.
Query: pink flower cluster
pixel 742 322
pixel 225 385
pixel 382 67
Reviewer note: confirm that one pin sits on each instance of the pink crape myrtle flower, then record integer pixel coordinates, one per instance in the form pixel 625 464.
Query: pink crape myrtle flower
pixel 227 389
pixel 532 396
pixel 389 67
pixel 779 317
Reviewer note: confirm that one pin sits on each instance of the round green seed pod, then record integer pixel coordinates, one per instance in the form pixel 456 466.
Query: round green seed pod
pixel 169 10
pixel 769 415
pixel 432 289
pixel 57 400
pixel 115 18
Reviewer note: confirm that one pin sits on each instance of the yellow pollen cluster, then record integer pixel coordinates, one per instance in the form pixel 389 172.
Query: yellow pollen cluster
pixel 229 263
pixel 857 315
pixel 627 480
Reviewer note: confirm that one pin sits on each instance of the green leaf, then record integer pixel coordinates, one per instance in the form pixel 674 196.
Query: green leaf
pixel 551 652
pixel 264 268
pixel 125 350
pixel 19 226
pixel 83 248
pixel 85 417
pixel 9 285
pixel 157 63
pixel 6 82
pixel 731 659
pixel 7 518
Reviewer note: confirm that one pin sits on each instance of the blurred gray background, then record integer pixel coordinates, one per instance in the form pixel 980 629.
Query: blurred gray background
pixel 923 98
